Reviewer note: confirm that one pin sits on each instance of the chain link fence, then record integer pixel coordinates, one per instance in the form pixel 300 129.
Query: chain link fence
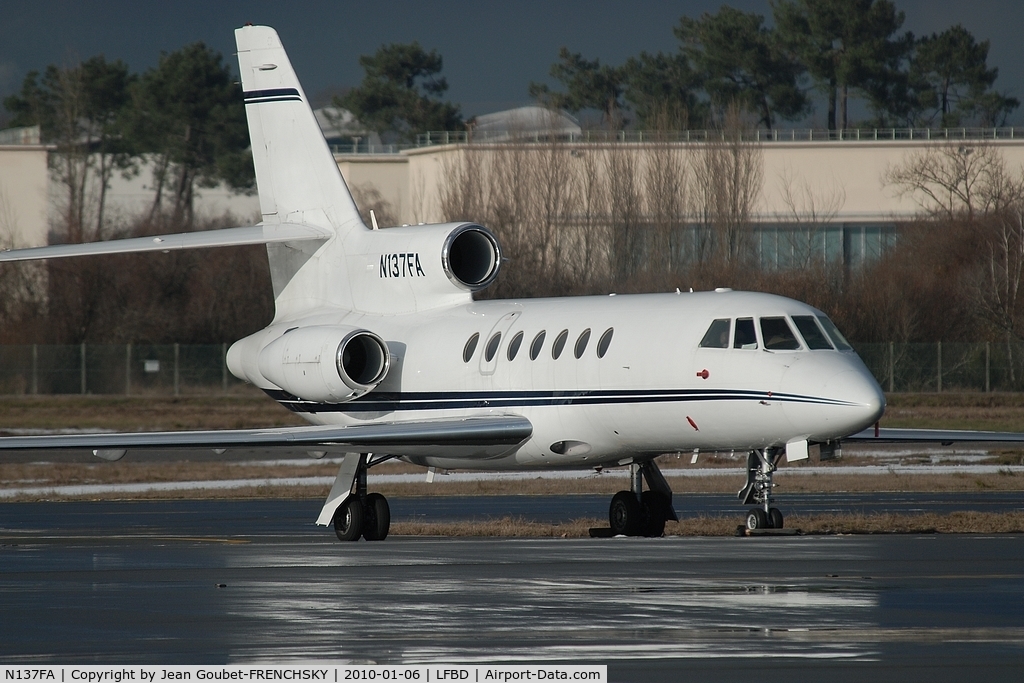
pixel 129 369
pixel 944 366
pixel 177 369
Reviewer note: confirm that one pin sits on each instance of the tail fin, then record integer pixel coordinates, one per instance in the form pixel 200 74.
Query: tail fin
pixel 296 174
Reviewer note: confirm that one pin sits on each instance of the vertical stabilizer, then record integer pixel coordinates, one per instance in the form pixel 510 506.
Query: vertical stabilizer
pixel 296 174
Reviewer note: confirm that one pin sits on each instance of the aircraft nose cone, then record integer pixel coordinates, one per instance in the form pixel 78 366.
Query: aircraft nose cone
pixel 860 389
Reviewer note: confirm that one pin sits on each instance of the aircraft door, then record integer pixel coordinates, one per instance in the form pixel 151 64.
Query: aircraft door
pixel 495 340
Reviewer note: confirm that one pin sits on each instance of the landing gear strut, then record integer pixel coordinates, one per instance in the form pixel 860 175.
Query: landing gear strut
pixel 642 513
pixel 761 465
pixel 352 510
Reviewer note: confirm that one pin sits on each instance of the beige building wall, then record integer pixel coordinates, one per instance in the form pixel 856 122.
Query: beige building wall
pixel 387 174
pixel 24 179
pixel 848 176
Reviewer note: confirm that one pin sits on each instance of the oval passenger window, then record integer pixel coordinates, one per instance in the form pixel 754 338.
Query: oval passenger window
pixel 581 342
pixel 470 348
pixel 537 345
pixel 513 346
pixel 492 347
pixel 604 342
pixel 556 348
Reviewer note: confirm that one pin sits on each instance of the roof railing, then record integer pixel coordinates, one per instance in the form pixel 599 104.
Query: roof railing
pixel 462 137
pixel 754 135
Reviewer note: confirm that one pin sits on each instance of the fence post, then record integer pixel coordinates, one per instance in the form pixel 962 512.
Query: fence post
pixel 988 365
pixel 892 367
pixel 177 386
pixel 35 368
pixel 224 367
pixel 83 367
pixel 938 364
pixel 127 369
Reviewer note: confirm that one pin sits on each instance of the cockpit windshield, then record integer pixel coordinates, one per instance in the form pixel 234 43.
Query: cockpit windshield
pixel 811 333
pixel 777 335
pixel 746 338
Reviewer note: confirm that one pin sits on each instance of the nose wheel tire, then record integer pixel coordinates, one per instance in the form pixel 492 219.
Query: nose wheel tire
pixel 349 520
pixel 757 519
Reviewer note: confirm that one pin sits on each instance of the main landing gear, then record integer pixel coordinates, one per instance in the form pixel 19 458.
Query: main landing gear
pixel 642 513
pixel 761 465
pixel 358 514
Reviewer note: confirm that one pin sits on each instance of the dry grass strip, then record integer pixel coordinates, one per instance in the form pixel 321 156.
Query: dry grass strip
pixel 23 475
pixel 886 523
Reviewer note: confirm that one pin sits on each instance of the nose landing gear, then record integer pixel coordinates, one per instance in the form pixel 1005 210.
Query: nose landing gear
pixel 761 465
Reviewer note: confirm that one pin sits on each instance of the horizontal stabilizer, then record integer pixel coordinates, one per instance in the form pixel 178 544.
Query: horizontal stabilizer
pixel 482 437
pixel 227 237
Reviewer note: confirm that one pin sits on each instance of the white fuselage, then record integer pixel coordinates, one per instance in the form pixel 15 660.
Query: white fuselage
pixel 655 390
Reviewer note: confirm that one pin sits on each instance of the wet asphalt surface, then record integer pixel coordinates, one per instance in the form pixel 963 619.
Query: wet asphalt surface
pixel 191 582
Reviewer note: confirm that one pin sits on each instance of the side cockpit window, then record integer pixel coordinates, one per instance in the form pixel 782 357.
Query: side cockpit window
pixel 717 336
pixel 812 334
pixel 777 335
pixel 834 334
pixel 745 337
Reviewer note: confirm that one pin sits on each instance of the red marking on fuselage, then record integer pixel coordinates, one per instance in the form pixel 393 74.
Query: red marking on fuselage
pixel 692 423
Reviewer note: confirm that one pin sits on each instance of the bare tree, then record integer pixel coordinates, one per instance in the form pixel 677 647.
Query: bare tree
pixel 968 192
pixel 71 161
pixel 955 180
pixel 996 285
pixel 625 194
pixel 728 175
pixel 463 192
pixel 20 283
pixel 590 233
pixel 665 182
pixel 368 198
pixel 809 211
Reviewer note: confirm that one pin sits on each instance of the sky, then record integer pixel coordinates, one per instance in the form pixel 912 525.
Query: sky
pixel 492 50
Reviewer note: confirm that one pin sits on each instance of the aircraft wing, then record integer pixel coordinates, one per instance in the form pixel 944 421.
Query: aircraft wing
pixel 480 437
pixel 227 237
pixel 943 436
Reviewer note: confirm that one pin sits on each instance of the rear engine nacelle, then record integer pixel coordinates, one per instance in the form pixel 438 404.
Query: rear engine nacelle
pixel 325 363
pixel 471 257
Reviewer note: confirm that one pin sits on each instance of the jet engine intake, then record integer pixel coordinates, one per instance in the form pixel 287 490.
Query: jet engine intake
pixel 326 363
pixel 471 257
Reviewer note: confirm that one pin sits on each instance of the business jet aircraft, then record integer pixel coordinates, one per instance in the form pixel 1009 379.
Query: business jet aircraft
pixel 378 343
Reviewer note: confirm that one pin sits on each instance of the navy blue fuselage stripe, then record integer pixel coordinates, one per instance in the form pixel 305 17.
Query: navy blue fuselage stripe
pixel 281 93
pixel 391 402
pixel 274 99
